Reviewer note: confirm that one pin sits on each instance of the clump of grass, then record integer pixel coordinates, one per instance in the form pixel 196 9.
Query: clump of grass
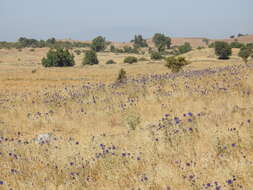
pixel 130 59
pixel 133 120
pixel 110 62
pixel 122 77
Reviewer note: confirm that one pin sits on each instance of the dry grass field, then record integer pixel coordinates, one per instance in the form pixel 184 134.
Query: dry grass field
pixel 158 131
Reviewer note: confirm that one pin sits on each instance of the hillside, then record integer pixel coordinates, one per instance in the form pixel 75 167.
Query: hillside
pixel 78 128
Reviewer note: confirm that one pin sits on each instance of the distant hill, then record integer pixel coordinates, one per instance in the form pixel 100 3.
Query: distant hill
pixel 195 42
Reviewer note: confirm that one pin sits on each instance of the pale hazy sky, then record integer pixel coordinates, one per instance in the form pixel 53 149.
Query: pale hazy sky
pixel 121 19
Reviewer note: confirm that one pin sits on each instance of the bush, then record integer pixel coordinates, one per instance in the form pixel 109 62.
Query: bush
pixel 245 53
pixel 177 50
pixel 176 63
pixel 161 41
pixel 110 62
pixel 130 59
pixel 156 55
pixel 58 58
pixel 90 58
pixel 223 50
pixel 236 45
pixel 122 76
pixel 184 48
pixel 98 44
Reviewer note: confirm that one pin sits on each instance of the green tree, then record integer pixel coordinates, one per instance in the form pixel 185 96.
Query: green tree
pixel 112 48
pixel 223 50
pixel 175 64
pixel 139 42
pixel 90 58
pixel 58 58
pixel 98 44
pixel 206 41
pixel 161 41
pixel 245 53
pixel 26 42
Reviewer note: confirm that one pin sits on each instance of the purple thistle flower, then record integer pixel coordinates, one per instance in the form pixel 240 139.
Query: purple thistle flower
pixel 190 114
pixel 229 182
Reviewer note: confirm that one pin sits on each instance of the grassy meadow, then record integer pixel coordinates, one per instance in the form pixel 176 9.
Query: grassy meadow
pixel 191 130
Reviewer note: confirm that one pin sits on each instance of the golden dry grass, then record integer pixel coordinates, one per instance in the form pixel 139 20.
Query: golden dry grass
pixel 192 130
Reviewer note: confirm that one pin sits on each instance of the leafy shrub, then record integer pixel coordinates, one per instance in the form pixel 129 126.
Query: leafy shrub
pixel 245 53
pixel 223 50
pixel 139 41
pixel 156 55
pixel 130 59
pixel 58 58
pixel 176 63
pixel 98 44
pixel 177 50
pixel 110 62
pixel 90 58
pixel 185 48
pixel 161 41
pixel 122 76
pixel 236 45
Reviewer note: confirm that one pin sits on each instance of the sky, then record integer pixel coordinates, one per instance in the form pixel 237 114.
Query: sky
pixel 120 20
